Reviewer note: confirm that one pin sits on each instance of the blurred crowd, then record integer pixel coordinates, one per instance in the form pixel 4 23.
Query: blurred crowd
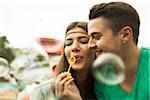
pixel 22 69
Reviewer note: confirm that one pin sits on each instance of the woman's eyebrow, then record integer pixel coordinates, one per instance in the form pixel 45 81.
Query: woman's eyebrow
pixel 68 39
pixel 83 37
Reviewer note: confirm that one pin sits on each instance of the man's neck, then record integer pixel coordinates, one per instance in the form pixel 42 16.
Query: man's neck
pixel 130 58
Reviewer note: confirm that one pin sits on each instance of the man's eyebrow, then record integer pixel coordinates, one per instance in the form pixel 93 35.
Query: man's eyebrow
pixel 96 33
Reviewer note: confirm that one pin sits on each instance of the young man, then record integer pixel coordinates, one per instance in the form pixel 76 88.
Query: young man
pixel 114 27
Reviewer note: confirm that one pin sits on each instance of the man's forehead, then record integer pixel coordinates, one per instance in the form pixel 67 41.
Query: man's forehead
pixel 92 25
pixel 97 25
pixel 92 29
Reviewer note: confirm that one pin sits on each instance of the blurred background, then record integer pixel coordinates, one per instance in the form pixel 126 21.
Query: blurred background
pixel 23 20
pixel 32 34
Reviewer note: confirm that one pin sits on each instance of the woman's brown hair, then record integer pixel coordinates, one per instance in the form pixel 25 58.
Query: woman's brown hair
pixel 63 64
pixel 87 92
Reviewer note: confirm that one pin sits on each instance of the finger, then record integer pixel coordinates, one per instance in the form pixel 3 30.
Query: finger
pixel 58 84
pixel 69 82
pixel 61 76
pixel 61 85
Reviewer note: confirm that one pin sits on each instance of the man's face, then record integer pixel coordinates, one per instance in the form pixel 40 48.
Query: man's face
pixel 102 38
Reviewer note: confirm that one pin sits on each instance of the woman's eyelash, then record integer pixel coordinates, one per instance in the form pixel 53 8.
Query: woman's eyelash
pixel 68 43
pixel 84 41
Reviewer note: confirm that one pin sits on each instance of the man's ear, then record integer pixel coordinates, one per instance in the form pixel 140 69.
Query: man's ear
pixel 126 33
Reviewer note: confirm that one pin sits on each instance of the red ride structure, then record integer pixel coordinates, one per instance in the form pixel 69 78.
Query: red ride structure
pixel 51 45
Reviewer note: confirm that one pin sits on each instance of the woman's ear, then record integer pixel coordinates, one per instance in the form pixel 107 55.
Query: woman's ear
pixel 126 34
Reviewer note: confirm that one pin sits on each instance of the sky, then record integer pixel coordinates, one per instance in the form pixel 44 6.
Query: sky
pixel 22 21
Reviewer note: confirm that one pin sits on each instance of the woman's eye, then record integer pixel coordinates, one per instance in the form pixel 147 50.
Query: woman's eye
pixel 68 43
pixel 84 40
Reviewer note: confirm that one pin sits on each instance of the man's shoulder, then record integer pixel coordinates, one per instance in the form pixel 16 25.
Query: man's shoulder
pixel 145 49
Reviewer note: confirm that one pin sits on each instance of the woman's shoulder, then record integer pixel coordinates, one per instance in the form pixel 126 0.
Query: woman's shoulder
pixel 43 91
pixel 46 84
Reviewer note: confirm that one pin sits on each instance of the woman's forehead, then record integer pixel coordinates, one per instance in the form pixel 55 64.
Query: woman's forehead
pixel 77 30
pixel 76 35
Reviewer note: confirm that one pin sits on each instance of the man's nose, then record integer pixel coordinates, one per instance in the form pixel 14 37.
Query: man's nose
pixel 91 44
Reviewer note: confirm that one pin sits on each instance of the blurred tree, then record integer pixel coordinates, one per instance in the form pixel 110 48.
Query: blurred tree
pixel 5 51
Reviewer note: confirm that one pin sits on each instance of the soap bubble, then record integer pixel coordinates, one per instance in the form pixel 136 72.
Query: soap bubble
pixel 109 69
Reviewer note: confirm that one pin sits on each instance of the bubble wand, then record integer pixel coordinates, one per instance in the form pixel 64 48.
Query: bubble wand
pixel 72 60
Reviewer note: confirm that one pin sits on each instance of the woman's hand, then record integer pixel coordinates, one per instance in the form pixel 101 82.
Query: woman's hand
pixel 65 88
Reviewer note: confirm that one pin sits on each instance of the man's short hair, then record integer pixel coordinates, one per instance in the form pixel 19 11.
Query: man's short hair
pixel 119 15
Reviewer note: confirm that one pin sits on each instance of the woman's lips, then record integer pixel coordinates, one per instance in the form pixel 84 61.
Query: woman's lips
pixel 79 58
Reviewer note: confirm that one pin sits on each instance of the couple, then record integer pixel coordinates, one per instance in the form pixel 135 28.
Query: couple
pixel 113 27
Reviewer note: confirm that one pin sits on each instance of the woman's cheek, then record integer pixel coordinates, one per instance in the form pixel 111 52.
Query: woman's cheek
pixel 86 50
pixel 66 52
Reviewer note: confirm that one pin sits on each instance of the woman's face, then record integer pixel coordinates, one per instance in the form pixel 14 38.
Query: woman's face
pixel 76 43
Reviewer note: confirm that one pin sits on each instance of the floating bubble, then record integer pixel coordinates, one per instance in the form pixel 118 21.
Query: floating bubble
pixel 109 69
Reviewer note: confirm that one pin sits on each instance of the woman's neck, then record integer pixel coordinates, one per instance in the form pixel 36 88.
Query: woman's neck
pixel 81 76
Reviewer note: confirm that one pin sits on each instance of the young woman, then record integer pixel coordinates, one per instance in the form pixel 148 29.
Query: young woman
pixel 71 87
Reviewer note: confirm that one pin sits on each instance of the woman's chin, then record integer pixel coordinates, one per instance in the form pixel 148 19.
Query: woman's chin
pixel 77 67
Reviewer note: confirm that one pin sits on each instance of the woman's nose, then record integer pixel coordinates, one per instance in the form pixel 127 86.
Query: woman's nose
pixel 75 46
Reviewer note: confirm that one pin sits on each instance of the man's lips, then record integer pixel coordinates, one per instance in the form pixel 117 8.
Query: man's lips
pixel 98 52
